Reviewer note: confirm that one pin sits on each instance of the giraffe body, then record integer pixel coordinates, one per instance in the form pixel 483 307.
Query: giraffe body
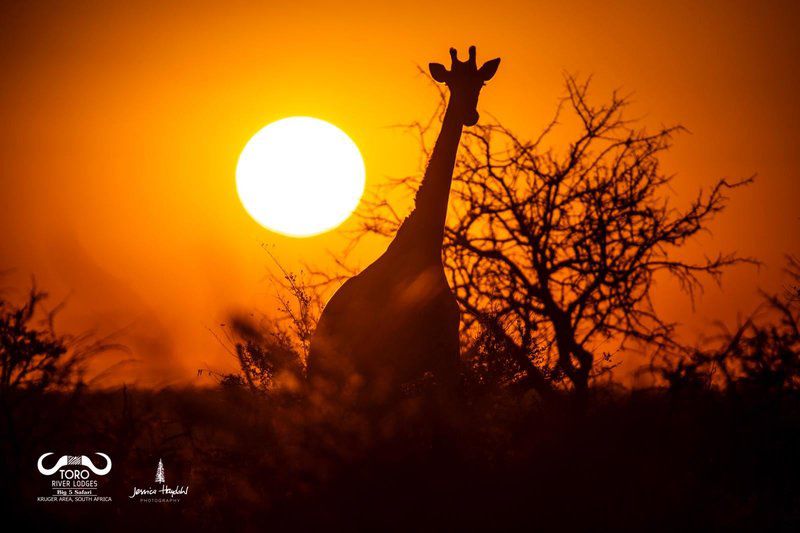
pixel 397 320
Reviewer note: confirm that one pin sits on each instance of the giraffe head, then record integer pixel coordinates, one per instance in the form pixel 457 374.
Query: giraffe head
pixel 465 81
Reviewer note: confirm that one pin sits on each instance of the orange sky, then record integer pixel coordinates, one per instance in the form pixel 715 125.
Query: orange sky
pixel 121 128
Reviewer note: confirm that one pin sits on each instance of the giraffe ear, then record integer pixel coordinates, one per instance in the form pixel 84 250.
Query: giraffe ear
pixel 438 72
pixel 489 68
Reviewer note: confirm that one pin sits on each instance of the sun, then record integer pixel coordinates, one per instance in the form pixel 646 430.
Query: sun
pixel 300 176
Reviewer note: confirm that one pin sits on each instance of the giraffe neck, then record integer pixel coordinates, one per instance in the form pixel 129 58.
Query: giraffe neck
pixel 422 232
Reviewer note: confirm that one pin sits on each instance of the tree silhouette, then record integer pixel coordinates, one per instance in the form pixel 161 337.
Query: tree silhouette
pixel 553 252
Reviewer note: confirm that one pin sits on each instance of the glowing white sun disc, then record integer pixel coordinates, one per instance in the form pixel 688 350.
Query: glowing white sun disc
pixel 300 176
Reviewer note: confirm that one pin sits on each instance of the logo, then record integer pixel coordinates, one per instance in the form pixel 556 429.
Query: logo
pixel 73 477
pixel 160 473
pixel 162 492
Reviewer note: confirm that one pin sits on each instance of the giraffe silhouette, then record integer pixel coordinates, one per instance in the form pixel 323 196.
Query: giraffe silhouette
pixel 397 320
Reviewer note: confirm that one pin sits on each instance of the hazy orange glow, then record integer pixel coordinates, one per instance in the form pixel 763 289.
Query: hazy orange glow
pixel 122 127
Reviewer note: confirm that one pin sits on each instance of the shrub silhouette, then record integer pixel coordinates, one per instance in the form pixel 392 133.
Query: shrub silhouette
pixel 32 355
pixel 761 355
pixel 272 352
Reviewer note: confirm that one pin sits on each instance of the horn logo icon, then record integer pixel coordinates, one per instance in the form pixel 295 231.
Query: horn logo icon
pixel 74 460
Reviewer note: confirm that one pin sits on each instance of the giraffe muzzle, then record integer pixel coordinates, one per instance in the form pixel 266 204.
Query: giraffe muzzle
pixel 472 118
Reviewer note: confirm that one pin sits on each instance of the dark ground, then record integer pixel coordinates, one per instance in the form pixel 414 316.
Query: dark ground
pixel 647 460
